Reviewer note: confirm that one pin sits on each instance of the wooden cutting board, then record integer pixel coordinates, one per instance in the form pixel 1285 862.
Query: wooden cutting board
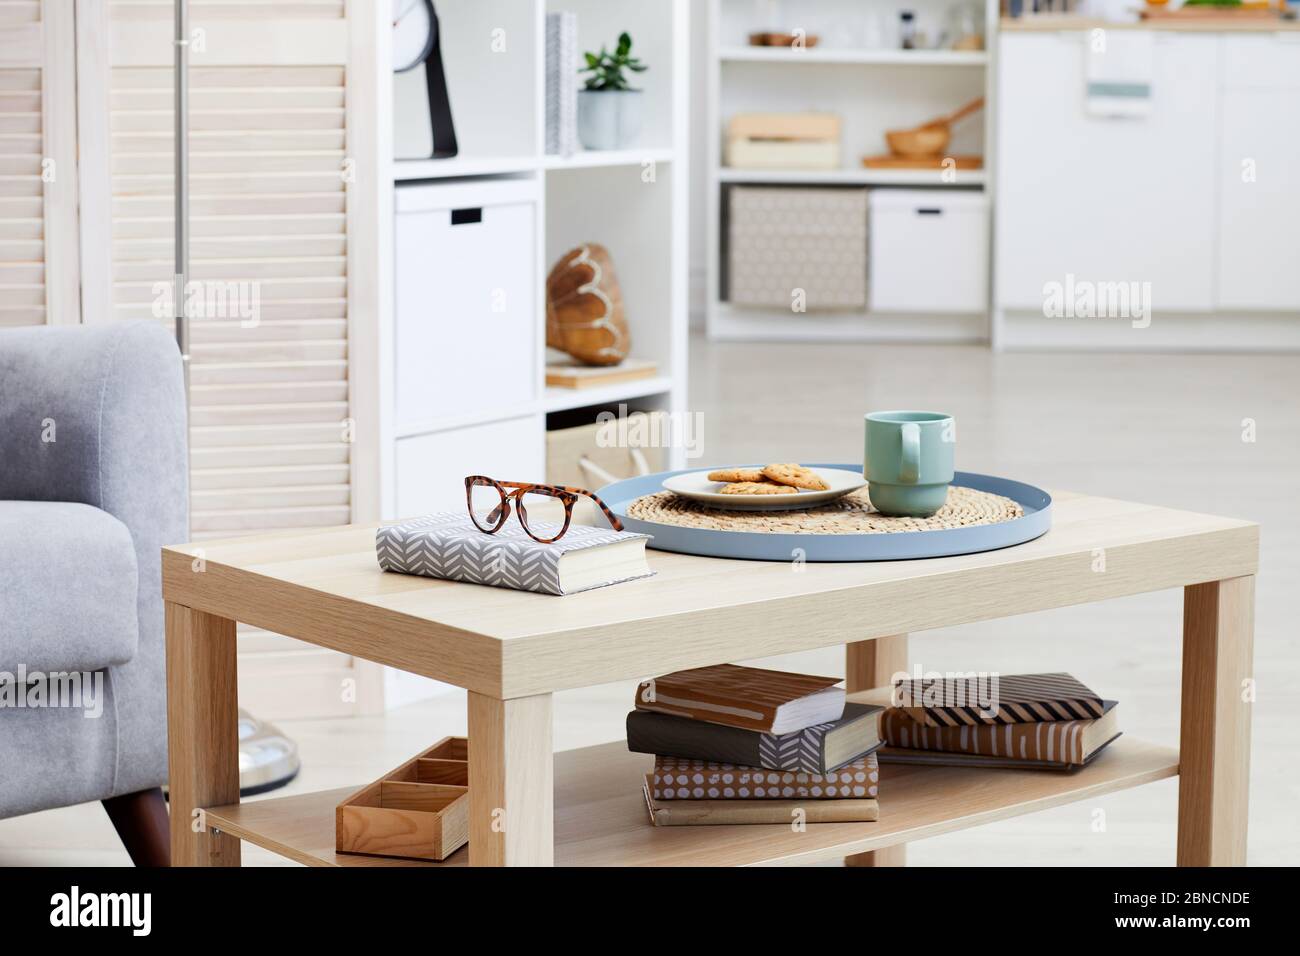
pixel 911 162
pixel 1210 14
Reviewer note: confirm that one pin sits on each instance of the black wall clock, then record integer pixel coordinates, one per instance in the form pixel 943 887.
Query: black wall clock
pixel 422 127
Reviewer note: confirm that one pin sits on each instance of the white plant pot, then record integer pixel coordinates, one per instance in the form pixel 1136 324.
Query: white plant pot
pixel 609 119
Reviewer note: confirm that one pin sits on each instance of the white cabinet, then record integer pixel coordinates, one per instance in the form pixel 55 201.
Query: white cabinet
pixel 466 280
pixel 929 250
pixel 431 469
pixel 1106 199
pixel 1259 157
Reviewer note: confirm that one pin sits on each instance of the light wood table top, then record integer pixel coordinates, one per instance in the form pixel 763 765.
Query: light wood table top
pixel 324 586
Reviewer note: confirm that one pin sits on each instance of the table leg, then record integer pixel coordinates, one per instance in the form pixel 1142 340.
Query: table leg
pixel 511 782
pixel 1214 743
pixel 202 732
pixel 870 664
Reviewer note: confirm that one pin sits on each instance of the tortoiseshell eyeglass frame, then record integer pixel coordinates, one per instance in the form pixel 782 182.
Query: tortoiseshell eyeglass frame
pixel 517 489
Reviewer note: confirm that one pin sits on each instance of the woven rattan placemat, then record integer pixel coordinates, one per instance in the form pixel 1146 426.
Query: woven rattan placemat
pixel 851 514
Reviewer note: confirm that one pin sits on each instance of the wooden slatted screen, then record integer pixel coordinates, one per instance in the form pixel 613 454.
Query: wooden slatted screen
pixel 269 412
pixel 269 400
pixel 38 170
pixel 22 212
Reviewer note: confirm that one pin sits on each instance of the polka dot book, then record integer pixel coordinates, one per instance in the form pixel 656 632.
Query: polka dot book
pixel 679 778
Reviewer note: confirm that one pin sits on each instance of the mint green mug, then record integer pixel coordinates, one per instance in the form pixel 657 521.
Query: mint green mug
pixel 909 461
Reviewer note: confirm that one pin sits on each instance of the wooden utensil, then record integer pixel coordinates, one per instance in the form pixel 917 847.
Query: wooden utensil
pixel 929 139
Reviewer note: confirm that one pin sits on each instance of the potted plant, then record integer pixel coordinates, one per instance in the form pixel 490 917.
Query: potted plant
pixel 609 110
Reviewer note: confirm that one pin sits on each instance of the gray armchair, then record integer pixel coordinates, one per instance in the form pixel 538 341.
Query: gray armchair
pixel 93 482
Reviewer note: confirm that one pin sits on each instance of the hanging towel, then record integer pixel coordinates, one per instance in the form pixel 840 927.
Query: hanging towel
pixel 1117 73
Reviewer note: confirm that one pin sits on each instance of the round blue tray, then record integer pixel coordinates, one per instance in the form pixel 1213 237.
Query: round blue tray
pixel 896 546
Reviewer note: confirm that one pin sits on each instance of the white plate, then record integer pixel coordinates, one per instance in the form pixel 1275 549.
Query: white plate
pixel 696 486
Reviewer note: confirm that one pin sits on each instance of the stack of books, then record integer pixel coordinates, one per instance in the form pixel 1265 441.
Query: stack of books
pixel 744 745
pixel 1023 721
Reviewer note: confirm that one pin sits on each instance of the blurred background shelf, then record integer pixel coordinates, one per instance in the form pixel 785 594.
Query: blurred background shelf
pixel 590 158
pixel 413 169
pixel 857 177
pixel 562 399
pixel 814 55
pixel 859 74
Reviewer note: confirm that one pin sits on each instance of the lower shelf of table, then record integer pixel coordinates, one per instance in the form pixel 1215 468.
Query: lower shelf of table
pixel 601 819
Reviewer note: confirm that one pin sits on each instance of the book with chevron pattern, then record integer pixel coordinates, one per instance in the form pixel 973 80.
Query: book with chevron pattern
pixel 817 749
pixel 448 545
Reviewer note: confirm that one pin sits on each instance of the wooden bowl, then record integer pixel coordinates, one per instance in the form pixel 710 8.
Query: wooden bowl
pixel 917 143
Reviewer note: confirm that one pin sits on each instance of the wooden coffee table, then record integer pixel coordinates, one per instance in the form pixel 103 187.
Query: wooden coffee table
pixel 513 650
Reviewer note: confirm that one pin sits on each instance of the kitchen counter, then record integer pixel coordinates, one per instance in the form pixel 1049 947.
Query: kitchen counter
pixel 1055 23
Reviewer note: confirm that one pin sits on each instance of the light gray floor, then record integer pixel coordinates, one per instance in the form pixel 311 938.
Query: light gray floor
pixel 1164 429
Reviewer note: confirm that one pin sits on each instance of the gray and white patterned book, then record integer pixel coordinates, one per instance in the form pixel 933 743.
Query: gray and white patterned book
pixel 448 545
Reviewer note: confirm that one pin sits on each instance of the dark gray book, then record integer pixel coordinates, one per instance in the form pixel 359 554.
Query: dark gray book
pixel 817 749
pixel 939 758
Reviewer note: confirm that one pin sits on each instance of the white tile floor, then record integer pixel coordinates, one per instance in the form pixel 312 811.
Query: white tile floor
pixel 1161 428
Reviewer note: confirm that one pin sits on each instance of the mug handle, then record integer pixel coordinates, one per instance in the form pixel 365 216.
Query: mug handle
pixel 910 466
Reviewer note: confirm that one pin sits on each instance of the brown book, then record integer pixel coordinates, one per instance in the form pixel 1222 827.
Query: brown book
pixel 1062 742
pixel 774 702
pixel 680 778
pixel 679 813
pixel 997 699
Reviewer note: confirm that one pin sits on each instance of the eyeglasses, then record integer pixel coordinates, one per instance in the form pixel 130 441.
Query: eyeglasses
pixel 489 504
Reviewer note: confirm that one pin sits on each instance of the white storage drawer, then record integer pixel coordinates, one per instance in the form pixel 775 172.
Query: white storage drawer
pixel 466 329
pixel 929 251
pixel 431 469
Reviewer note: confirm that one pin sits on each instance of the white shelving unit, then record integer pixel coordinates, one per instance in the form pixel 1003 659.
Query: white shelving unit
pixel 872 89
pixel 633 201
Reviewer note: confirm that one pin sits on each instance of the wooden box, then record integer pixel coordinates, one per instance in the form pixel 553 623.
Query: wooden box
pixel 783 141
pixel 419 811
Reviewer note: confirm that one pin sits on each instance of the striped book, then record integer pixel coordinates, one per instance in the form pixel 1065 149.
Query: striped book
pixel 679 778
pixel 773 702
pixel 994 699
pixel 1059 742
